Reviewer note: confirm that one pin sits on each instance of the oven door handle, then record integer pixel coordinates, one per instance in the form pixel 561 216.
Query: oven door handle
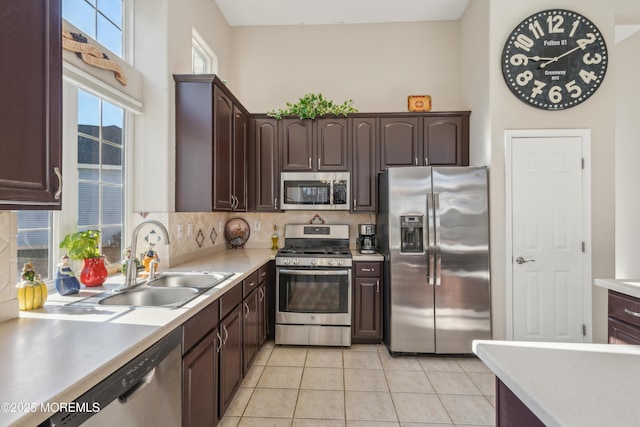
pixel 315 272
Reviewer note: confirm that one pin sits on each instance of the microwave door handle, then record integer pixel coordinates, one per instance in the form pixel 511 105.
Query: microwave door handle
pixel 430 241
pixel 315 272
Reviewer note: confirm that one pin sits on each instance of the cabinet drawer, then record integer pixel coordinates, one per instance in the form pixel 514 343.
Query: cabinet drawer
pixel 249 284
pixel 624 307
pixel 229 300
pixel 368 269
pixel 622 333
pixel 263 272
pixel 199 325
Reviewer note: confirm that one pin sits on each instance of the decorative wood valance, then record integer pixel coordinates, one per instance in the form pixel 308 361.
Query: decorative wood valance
pixel 79 44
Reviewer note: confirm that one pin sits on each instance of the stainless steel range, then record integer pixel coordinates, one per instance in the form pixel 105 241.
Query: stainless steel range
pixel 313 291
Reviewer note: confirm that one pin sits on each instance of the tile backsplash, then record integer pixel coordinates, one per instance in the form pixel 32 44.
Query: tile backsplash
pixel 8 267
pixel 195 234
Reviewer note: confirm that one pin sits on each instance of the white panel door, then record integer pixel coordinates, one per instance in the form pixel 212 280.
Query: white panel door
pixel 547 239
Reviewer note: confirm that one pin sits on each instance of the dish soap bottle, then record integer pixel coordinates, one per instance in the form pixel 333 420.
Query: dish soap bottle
pixel 274 238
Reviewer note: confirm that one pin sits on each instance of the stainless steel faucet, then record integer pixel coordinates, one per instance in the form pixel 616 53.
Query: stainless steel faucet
pixel 132 271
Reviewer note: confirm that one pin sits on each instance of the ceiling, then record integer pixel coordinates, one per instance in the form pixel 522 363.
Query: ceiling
pixel 320 12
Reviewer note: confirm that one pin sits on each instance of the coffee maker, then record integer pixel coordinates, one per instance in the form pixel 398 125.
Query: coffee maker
pixel 367 240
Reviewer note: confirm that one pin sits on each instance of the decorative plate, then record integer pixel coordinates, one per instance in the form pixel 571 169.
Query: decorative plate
pixel 236 232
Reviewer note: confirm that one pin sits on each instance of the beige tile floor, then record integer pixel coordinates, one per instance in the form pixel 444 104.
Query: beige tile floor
pixel 361 386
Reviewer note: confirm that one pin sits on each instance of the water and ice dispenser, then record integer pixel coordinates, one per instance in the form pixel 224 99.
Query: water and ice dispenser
pixel 411 233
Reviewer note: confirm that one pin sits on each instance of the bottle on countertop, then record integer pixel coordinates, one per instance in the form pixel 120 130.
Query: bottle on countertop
pixel 274 238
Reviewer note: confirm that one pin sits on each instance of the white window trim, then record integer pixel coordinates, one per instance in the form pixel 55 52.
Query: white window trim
pixel 212 63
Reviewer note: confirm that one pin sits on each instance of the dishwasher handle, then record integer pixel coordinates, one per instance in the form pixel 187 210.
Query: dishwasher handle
pixel 148 378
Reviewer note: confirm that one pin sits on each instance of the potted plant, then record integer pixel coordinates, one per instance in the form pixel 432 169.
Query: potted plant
pixel 312 105
pixel 84 245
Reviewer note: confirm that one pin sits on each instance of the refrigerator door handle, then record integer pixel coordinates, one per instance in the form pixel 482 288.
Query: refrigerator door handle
pixel 430 243
pixel 437 248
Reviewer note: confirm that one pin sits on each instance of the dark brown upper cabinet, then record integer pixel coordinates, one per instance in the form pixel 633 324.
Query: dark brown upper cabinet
pixel 399 141
pixel 364 169
pixel 30 104
pixel 445 140
pixel 430 139
pixel 314 145
pixel 211 146
pixel 264 172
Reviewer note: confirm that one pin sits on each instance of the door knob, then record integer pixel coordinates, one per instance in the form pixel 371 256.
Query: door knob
pixel 521 260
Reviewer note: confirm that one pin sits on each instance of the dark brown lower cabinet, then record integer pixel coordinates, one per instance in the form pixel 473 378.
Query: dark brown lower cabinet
pixel 230 357
pixel 624 319
pixel 367 303
pixel 511 411
pixel 200 341
pixel 200 384
pixel 251 329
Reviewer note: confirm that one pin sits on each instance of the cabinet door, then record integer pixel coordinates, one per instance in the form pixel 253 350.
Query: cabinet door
pixel 368 309
pixel 230 357
pixel 250 327
pixel 364 183
pixel 296 144
pixel 222 150
pixel 623 333
pixel 399 139
pixel 31 106
pixel 443 141
pixel 332 145
pixel 265 173
pixel 240 134
pixel 200 384
pixel 262 314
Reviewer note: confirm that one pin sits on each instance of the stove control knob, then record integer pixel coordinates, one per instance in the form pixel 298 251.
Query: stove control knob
pixel 286 261
pixel 331 262
pixel 296 261
pixel 341 261
pixel 314 261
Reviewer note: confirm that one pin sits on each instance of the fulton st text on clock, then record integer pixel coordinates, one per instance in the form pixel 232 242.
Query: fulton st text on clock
pixel 554 59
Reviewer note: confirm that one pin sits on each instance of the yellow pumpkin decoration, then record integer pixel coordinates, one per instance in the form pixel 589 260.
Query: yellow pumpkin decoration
pixel 32 291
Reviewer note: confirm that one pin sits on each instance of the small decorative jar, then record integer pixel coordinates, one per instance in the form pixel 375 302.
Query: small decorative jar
pixel 32 291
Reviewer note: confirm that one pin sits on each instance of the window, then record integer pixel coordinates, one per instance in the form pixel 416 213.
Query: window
pixel 203 60
pixel 34 241
pixel 101 171
pixel 102 20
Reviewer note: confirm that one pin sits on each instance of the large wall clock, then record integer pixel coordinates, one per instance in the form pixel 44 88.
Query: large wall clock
pixel 554 59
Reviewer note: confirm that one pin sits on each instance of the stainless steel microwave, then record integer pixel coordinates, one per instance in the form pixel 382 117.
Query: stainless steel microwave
pixel 315 190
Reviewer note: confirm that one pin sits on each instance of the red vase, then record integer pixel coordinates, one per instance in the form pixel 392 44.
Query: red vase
pixel 93 273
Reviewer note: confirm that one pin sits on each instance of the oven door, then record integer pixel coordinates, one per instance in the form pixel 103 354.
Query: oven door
pixel 313 297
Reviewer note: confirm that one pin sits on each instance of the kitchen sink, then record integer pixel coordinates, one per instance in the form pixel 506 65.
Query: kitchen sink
pixel 168 290
pixel 191 280
pixel 151 297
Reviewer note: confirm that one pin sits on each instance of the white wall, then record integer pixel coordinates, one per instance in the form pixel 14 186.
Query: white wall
pixel 597 114
pixel 377 66
pixel 627 151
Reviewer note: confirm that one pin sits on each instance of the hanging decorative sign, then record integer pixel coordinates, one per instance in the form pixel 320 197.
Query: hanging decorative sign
pixel 91 55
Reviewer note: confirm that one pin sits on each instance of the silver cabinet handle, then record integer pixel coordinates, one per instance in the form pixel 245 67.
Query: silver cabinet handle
pixel 319 163
pixel 416 161
pixel 355 204
pixel 378 286
pixel 521 260
pixel 367 269
pixel 56 170
pixel 226 334
pixel 631 313
pixel 309 162
pixel 261 293
pixel 426 161
pixel 219 341
pixel 275 203
pixel 246 315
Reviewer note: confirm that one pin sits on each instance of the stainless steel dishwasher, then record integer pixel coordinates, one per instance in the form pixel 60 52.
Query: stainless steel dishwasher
pixel 147 391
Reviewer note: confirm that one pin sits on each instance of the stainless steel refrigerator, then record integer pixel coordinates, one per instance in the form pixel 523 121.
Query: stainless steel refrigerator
pixel 434 235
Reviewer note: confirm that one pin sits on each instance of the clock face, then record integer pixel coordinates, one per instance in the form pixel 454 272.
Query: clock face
pixel 554 59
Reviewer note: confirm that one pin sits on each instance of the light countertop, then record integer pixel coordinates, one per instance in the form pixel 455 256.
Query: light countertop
pixel 629 287
pixel 56 353
pixel 569 384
